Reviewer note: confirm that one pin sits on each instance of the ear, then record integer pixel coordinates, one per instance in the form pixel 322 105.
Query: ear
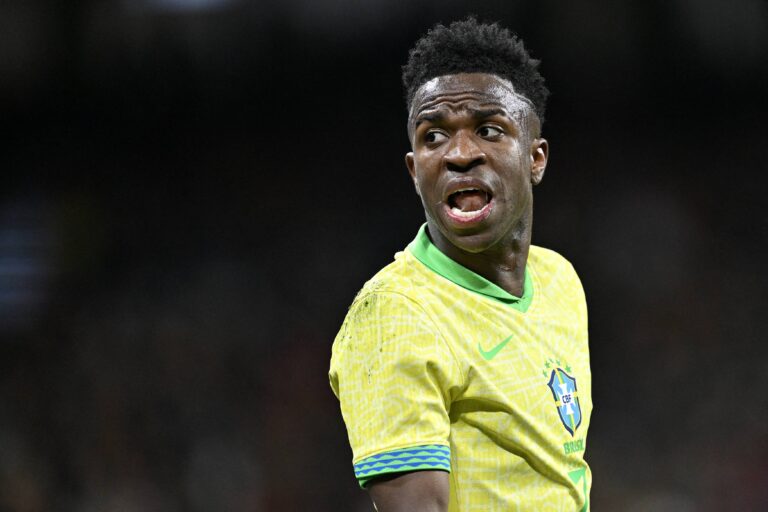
pixel 539 156
pixel 412 170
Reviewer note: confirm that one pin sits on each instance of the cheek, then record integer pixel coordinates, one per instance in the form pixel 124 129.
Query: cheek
pixel 425 169
pixel 515 167
pixel 515 177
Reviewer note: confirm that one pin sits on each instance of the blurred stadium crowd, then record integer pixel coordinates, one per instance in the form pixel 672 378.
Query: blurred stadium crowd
pixel 193 191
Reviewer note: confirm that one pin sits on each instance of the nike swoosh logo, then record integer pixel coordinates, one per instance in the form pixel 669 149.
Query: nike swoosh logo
pixel 495 350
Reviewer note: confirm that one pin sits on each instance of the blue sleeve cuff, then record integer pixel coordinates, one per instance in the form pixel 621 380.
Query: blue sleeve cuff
pixel 415 458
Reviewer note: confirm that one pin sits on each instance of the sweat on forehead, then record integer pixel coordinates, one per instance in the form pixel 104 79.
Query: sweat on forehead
pixel 480 86
pixel 455 91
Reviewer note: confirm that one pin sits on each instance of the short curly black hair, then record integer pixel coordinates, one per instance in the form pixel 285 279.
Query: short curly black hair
pixel 468 46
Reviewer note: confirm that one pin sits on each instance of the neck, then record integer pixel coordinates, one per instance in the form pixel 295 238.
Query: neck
pixel 503 263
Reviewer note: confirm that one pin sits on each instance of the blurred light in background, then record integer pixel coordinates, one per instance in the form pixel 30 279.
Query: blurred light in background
pixel 26 244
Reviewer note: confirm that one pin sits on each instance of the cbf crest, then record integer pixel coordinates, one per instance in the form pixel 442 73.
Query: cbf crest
pixel 565 393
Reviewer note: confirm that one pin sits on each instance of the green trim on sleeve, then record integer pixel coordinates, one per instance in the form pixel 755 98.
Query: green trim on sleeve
pixel 427 253
pixel 415 458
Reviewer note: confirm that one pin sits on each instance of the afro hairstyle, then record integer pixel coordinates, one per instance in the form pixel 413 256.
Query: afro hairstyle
pixel 468 46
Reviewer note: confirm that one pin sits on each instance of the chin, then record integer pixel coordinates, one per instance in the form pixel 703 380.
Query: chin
pixel 474 242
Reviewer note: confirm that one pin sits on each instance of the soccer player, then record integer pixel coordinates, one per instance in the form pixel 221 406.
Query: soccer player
pixel 462 367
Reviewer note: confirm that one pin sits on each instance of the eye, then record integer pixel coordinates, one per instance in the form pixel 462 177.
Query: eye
pixel 434 136
pixel 489 132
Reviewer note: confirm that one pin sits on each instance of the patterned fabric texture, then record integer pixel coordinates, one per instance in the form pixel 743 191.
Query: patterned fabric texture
pixel 437 369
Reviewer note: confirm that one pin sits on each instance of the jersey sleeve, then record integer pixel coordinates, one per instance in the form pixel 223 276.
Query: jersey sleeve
pixel 394 377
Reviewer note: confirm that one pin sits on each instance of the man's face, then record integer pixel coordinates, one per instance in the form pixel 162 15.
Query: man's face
pixel 475 158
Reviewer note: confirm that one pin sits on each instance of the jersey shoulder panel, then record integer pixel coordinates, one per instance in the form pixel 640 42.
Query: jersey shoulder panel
pixel 551 260
pixel 554 270
pixel 401 276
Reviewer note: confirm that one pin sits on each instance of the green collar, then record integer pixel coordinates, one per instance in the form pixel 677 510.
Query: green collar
pixel 427 253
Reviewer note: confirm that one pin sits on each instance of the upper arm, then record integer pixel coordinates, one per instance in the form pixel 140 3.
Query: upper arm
pixel 425 491
pixel 393 374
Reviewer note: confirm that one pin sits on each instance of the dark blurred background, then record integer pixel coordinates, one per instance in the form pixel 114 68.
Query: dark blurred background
pixel 192 191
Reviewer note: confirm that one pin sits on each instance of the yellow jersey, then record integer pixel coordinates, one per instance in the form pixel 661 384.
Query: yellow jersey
pixel 437 368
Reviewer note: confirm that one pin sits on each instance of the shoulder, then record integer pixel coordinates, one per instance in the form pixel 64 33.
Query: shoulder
pixel 544 256
pixel 400 277
pixel 398 288
pixel 389 301
pixel 553 269
pixel 390 315
pixel 388 332
pixel 547 260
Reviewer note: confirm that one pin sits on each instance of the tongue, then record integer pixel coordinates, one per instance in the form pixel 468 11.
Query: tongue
pixel 470 201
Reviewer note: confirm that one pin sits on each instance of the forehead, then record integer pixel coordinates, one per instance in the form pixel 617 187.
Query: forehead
pixel 456 91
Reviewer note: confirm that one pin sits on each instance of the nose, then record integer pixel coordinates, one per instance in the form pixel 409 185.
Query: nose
pixel 464 153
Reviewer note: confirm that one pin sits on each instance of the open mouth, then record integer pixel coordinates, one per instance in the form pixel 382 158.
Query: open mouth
pixel 469 205
pixel 468 200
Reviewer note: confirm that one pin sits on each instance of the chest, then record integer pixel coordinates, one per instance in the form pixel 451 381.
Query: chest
pixel 523 371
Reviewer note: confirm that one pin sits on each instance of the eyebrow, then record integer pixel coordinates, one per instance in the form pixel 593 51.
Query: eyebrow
pixel 431 117
pixel 438 116
pixel 488 112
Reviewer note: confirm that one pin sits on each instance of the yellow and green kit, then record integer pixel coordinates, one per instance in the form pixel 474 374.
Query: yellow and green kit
pixel 437 368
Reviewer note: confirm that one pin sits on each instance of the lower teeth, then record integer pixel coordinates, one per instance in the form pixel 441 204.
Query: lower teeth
pixel 461 213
